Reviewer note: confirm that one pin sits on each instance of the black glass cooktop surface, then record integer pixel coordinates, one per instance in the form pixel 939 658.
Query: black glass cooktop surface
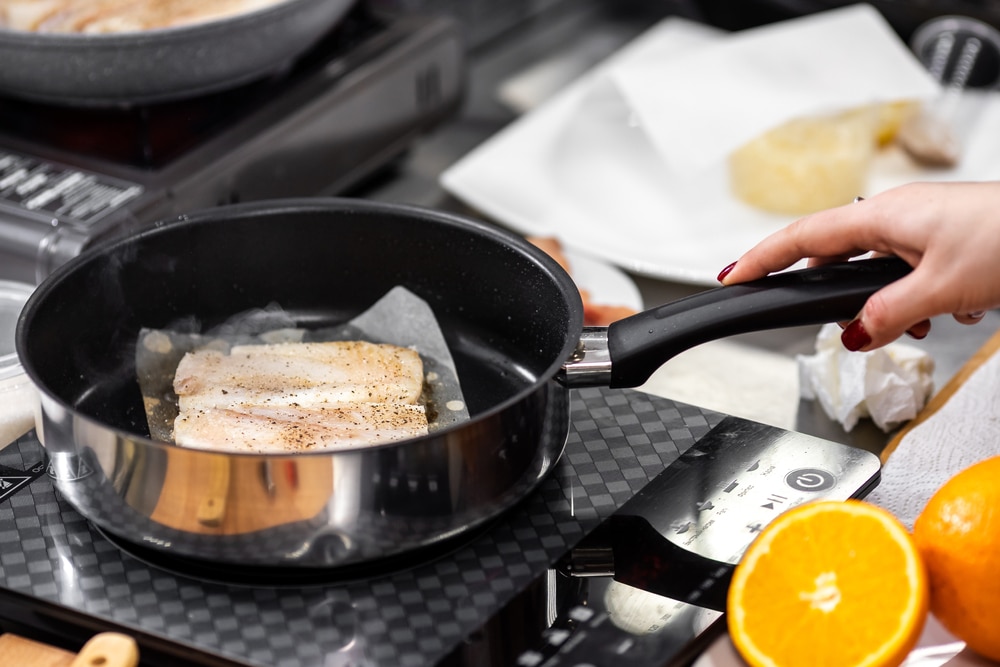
pixel 526 591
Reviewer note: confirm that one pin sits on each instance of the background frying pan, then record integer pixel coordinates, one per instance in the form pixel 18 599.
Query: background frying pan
pixel 512 319
pixel 165 64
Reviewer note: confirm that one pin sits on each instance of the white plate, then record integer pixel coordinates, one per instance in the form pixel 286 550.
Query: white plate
pixel 606 284
pixel 579 168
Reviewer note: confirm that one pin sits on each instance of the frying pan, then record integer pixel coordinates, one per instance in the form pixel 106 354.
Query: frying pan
pixel 512 318
pixel 163 64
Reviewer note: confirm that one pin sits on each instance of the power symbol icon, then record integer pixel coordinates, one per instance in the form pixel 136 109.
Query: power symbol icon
pixel 810 479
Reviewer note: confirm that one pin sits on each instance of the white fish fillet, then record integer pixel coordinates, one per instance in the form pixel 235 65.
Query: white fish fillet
pixel 265 429
pixel 306 375
pixel 297 396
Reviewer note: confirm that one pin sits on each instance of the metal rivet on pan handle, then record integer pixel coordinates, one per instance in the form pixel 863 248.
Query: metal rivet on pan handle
pixel 590 365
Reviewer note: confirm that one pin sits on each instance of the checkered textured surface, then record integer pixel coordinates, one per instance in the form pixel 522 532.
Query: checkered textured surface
pixel 619 440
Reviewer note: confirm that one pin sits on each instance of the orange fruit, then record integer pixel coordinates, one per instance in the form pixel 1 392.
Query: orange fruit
pixel 958 534
pixel 829 583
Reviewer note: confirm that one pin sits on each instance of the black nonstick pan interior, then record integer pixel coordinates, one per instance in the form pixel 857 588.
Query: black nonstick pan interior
pixel 509 315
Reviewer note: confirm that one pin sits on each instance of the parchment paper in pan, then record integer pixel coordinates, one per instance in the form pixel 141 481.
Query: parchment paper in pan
pixel 398 318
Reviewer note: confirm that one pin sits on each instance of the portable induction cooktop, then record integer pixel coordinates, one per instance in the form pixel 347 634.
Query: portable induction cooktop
pixel 621 557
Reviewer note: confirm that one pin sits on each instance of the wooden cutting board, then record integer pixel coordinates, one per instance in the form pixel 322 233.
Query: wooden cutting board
pixel 108 649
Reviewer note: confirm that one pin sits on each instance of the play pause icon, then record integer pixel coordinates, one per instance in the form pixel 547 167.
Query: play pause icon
pixel 774 499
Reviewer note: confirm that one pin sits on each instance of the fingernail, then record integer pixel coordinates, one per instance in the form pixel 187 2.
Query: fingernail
pixel 976 315
pixel 915 335
pixel 855 337
pixel 725 272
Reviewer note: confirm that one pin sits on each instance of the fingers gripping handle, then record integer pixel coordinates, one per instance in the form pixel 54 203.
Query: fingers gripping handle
pixel 640 344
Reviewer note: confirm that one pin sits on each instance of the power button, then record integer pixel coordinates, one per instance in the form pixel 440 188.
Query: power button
pixel 810 479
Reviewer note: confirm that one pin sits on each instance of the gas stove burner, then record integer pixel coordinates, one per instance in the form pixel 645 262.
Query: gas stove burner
pixel 261 576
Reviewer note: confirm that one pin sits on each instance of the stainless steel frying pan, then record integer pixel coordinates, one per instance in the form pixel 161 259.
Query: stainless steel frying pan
pixel 161 65
pixel 512 319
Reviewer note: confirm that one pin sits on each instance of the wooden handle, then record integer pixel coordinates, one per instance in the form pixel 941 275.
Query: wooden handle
pixel 108 649
pixel 17 650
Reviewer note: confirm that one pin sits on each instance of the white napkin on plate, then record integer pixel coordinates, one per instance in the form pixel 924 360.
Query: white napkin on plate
pixel 584 166
pixel 700 105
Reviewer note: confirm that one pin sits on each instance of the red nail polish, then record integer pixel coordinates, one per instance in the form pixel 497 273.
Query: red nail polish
pixel 725 272
pixel 855 337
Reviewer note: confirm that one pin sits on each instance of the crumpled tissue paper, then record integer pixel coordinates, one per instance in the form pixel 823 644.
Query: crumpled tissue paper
pixel 890 385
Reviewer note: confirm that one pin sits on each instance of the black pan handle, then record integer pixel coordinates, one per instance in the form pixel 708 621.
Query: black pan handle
pixel 640 344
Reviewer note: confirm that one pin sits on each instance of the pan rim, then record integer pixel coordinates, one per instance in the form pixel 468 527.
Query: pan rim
pixel 276 206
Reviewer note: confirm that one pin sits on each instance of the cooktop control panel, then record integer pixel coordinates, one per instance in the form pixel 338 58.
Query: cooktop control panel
pixel 717 496
pixel 648 586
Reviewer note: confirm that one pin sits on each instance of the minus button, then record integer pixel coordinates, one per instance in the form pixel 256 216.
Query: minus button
pixel 732 485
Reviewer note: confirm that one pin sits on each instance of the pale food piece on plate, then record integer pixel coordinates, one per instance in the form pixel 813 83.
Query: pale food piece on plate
pixel 110 16
pixel 805 165
pixel 809 164
pixel 890 118
pixel 299 396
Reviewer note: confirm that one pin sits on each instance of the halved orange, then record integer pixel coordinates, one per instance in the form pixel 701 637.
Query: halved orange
pixel 958 534
pixel 838 583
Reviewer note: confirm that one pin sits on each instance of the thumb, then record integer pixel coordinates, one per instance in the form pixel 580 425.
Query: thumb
pixel 889 313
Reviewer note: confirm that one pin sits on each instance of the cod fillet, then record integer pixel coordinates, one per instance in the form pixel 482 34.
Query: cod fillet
pixel 299 396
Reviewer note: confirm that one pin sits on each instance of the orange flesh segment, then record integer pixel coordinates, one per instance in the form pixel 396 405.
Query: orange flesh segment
pixel 829 583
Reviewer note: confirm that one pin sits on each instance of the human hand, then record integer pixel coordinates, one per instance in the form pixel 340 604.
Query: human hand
pixel 949 233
